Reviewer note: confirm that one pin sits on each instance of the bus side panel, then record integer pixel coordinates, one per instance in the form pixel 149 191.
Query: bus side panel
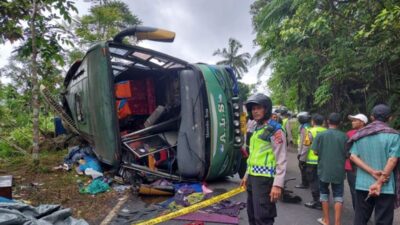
pixel 223 155
pixel 101 108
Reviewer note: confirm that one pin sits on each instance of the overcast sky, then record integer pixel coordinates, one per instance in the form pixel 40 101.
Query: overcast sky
pixel 201 27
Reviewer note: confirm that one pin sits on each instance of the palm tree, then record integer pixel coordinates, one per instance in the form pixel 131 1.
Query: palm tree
pixel 268 13
pixel 238 62
pixel 261 55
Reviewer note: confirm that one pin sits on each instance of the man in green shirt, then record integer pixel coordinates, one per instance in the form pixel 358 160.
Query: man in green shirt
pixel 330 148
pixel 375 151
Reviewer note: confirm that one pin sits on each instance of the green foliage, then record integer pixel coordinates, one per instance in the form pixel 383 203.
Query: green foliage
pixel 10 12
pixel 329 56
pixel 239 62
pixel 16 128
pixel 104 21
pixel 294 124
pixel 245 90
pixel 39 59
pixel 5 151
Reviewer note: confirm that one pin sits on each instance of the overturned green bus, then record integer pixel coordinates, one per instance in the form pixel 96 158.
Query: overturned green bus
pixel 151 114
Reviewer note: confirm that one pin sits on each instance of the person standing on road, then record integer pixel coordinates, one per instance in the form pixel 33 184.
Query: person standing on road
pixel 286 126
pixel 357 122
pixel 266 164
pixel 304 119
pixel 375 150
pixel 330 148
pixel 312 161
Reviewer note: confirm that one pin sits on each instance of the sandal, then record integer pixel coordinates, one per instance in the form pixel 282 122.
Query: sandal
pixel 321 221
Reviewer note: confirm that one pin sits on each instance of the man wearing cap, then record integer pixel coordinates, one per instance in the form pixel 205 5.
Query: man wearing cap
pixel 266 164
pixel 375 150
pixel 357 122
pixel 330 148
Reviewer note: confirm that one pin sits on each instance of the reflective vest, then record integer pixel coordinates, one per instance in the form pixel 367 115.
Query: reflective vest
pixel 302 126
pixel 312 158
pixel 261 161
pixel 284 122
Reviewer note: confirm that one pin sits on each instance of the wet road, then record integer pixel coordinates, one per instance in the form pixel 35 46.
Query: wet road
pixel 288 214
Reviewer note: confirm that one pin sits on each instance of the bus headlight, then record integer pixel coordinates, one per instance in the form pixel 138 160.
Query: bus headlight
pixel 238 139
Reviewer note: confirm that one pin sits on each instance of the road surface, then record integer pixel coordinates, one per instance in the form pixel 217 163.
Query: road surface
pixel 288 214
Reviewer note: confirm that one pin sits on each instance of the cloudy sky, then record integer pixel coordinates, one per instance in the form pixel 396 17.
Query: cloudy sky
pixel 201 27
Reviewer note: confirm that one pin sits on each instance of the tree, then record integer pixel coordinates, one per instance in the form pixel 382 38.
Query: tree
pixel 330 55
pixel 11 12
pixel 239 62
pixel 43 40
pixel 104 21
pixel 245 90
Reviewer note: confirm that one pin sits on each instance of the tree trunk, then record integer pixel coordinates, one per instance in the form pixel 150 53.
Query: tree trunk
pixel 35 85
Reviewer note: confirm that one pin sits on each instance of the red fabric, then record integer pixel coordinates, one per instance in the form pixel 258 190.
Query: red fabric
pixel 151 97
pixel 163 156
pixel 350 133
pixel 347 165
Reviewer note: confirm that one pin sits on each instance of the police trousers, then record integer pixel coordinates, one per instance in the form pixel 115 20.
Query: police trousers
pixel 260 210
pixel 313 180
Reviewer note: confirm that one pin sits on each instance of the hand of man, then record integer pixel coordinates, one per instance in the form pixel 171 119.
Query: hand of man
pixel 302 164
pixel 275 194
pixel 298 157
pixel 243 182
pixel 376 174
pixel 375 189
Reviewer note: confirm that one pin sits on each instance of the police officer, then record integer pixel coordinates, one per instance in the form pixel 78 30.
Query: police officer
pixel 304 119
pixel 286 125
pixel 312 161
pixel 266 168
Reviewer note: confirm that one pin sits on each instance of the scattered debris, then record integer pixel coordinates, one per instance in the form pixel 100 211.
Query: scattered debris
pixel 145 189
pixel 95 187
pixel 21 213
pixel 121 188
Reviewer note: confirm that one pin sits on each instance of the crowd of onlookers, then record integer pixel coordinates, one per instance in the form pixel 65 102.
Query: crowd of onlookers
pixel 367 155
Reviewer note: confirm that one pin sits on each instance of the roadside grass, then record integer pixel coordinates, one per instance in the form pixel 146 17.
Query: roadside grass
pixel 38 184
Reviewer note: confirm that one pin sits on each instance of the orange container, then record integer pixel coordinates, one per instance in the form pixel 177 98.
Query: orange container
pixel 131 89
pixel 127 107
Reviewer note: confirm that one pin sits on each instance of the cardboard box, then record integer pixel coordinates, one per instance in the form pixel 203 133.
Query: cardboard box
pixel 6 186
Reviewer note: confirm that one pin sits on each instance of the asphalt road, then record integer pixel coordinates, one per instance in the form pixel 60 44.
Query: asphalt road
pixel 288 214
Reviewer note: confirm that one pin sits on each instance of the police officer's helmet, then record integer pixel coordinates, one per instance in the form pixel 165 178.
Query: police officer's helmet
pixel 259 99
pixel 284 111
pixel 304 117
